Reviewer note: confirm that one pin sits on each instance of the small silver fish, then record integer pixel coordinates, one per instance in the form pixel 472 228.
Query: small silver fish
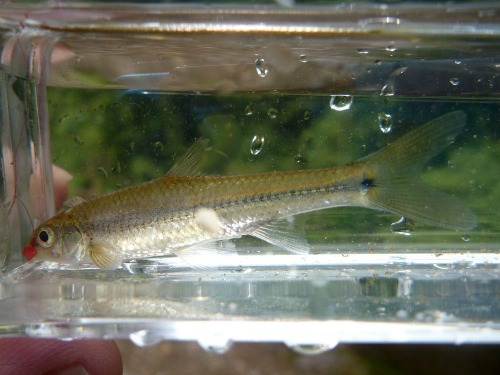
pixel 188 214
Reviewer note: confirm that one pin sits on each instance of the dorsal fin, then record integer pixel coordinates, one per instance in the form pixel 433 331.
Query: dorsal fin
pixel 72 202
pixel 189 163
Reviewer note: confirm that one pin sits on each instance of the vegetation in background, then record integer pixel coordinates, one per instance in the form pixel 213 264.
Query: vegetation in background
pixel 112 139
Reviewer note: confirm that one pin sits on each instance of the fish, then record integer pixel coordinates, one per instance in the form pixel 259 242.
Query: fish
pixel 193 215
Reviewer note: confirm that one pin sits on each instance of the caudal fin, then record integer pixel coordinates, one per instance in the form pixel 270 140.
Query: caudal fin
pixel 394 176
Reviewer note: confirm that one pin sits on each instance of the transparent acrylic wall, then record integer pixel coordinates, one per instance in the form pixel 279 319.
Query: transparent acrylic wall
pixel 116 97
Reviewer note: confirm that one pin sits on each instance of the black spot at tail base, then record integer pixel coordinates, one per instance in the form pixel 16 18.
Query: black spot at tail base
pixel 367 183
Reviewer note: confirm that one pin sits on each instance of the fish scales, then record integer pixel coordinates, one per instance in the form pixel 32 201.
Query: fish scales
pixel 161 214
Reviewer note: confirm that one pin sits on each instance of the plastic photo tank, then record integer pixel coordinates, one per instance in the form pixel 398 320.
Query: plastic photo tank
pixel 109 98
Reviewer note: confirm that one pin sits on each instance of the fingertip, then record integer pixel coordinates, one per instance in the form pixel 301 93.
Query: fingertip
pixel 99 356
pixel 61 180
pixel 29 356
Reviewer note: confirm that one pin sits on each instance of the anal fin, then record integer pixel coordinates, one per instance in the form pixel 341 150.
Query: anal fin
pixel 283 234
pixel 204 255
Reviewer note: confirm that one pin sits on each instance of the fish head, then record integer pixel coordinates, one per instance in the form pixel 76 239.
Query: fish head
pixel 56 240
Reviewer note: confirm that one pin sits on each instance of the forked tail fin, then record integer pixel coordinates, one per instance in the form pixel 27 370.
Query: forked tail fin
pixel 394 176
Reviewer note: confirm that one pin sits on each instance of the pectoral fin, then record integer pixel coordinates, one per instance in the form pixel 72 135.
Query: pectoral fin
pixel 103 257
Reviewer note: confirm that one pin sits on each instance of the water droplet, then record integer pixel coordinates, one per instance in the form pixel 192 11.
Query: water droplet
pixel 458 62
pixel 216 345
pixel 303 58
pixel 299 159
pixel 390 48
pixel 466 237
pixel 117 167
pixel 161 56
pixel 312 349
pixel 145 338
pixel 249 109
pixel 341 102
pixel 363 51
pixel 385 122
pixel 437 316
pixel 257 144
pixel 399 71
pixel 319 279
pixel 77 140
pixel 103 171
pixel 272 112
pixel 261 67
pixel 455 81
pixel 387 90
pixel 158 148
pixel 233 306
pixel 404 226
pixel 443 266
pixel 487 13
pixel 402 314
pixel 67 339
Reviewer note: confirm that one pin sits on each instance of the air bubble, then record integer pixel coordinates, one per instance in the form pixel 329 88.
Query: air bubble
pixel 385 122
pixel 390 48
pixel 303 58
pixel 272 112
pixel 257 144
pixel 455 81
pixel 307 115
pixel 363 51
pixel 404 226
pixel 145 338
pixel 466 237
pixel 261 67
pixel 312 349
pixel 249 109
pixel 217 346
pixel 387 90
pixel 341 102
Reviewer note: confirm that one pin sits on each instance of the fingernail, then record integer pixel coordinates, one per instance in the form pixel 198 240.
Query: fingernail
pixel 73 370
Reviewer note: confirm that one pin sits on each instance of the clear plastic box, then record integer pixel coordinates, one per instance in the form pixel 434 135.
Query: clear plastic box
pixel 115 96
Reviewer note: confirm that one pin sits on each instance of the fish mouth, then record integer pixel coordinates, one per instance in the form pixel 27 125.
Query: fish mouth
pixel 30 251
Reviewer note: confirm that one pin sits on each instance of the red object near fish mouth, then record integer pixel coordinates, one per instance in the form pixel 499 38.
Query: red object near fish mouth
pixel 30 251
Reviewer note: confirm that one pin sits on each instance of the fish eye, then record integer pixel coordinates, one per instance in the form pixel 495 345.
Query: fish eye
pixel 45 237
